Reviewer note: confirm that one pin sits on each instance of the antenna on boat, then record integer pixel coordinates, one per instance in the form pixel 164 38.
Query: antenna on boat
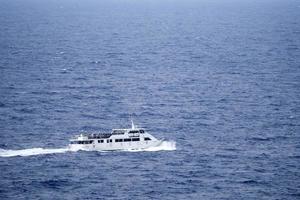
pixel 132 125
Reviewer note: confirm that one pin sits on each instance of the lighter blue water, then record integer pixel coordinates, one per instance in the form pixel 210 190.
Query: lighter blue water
pixel 220 78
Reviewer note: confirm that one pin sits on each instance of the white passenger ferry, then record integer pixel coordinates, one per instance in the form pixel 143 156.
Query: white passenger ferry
pixel 118 139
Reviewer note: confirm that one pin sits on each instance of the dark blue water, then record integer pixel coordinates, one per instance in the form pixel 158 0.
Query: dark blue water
pixel 221 78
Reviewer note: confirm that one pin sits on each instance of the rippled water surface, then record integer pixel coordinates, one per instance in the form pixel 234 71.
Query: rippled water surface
pixel 220 78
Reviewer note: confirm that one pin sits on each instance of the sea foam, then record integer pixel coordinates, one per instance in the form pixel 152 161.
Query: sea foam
pixel 164 146
pixel 31 152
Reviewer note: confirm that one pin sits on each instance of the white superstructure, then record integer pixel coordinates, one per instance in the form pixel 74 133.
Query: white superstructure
pixel 118 139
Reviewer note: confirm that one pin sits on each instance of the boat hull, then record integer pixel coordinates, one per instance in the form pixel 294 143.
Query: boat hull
pixel 116 146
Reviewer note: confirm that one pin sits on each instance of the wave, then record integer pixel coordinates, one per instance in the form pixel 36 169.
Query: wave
pixel 164 146
pixel 31 152
pixel 268 138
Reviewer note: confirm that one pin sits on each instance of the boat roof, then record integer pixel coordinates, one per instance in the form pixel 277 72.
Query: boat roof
pixel 127 129
pixel 116 131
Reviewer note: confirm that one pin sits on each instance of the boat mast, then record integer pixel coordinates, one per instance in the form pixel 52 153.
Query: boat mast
pixel 132 125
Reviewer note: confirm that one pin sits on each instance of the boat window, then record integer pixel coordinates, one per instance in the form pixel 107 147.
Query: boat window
pixel 135 139
pixel 83 142
pixel 133 131
pixel 118 140
pixel 118 132
pixel 109 140
pixel 127 140
pixel 100 141
pixel 146 139
pixel 142 131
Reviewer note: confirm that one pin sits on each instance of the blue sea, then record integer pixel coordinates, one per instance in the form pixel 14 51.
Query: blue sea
pixel 218 78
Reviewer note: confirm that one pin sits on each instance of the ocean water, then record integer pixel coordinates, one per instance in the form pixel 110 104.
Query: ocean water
pixel 219 78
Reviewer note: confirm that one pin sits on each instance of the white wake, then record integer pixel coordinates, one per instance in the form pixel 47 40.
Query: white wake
pixel 31 152
pixel 164 146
